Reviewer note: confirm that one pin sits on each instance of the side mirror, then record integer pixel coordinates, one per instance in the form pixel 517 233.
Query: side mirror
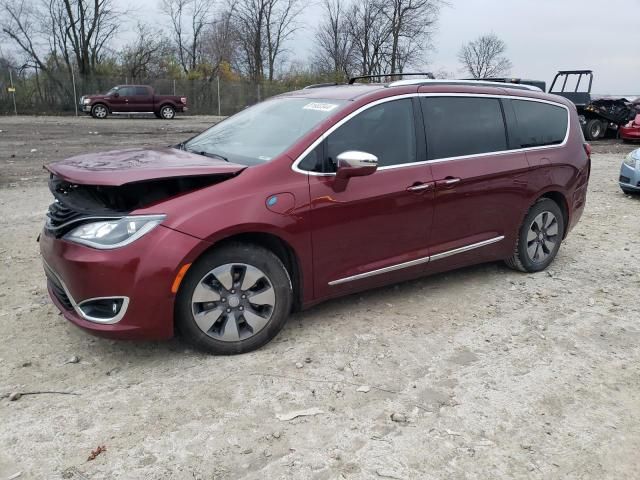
pixel 116 94
pixel 353 163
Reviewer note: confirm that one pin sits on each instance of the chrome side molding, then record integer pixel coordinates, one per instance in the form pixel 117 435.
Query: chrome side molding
pixel 380 271
pixel 473 246
pixel 419 261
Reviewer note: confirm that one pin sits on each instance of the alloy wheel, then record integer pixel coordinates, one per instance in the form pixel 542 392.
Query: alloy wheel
pixel 233 302
pixel 167 113
pixel 542 237
pixel 100 111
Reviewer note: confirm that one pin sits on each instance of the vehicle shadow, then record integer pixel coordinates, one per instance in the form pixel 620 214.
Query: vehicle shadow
pixel 150 352
pixel 394 294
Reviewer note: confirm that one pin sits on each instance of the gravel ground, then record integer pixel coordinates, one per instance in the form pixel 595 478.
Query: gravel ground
pixel 475 374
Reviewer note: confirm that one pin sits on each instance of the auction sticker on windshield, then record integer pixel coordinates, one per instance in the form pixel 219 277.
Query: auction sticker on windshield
pixel 323 107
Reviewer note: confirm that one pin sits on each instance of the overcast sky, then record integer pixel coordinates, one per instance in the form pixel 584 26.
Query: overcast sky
pixel 542 36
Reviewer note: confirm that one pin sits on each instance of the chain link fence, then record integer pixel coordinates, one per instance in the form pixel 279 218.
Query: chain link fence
pixel 56 95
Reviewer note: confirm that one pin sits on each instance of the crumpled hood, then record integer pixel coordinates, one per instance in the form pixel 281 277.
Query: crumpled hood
pixel 120 167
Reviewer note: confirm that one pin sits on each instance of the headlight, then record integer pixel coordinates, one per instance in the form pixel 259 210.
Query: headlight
pixel 631 160
pixel 108 234
pixel 86 101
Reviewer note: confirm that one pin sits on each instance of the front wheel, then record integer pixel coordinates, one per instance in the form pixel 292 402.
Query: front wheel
pixel 167 112
pixel 234 299
pixel 99 111
pixel 539 237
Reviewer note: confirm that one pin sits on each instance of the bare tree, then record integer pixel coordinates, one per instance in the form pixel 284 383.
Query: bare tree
pixel 220 43
pixel 20 23
pixel 143 57
pixel 69 32
pixel 484 57
pixel 411 24
pixel 249 19
pixel 370 30
pixel 263 27
pixel 188 19
pixel 334 46
pixel 280 25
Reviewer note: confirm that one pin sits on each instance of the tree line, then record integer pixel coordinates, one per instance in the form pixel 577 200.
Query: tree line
pixel 232 39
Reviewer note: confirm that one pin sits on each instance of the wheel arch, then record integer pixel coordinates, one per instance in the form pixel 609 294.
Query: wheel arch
pixel 274 243
pixel 561 200
pixel 166 103
pixel 104 104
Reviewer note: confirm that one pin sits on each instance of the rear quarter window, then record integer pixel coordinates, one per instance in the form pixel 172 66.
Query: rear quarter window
pixel 540 124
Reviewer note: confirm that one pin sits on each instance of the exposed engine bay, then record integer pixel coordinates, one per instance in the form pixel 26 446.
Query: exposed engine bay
pixel 75 204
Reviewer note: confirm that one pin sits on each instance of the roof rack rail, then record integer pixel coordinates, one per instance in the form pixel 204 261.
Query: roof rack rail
pixel 470 83
pixel 542 85
pixel 320 85
pixel 352 80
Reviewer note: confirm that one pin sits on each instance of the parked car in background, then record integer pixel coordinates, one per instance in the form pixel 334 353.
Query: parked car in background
pixel 630 173
pixel 130 99
pixel 308 196
pixel 631 131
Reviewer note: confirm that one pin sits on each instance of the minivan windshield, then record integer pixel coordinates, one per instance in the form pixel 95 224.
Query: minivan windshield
pixel 263 131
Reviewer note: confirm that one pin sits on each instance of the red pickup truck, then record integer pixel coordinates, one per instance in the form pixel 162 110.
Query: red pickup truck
pixel 133 99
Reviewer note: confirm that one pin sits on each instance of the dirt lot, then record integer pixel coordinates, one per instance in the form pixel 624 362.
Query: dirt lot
pixel 498 374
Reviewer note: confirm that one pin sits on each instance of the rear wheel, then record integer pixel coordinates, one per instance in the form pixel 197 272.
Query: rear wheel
pixel 167 112
pixel 595 129
pixel 539 237
pixel 99 111
pixel 234 299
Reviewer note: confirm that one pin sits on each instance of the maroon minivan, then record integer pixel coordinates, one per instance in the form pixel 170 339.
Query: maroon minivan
pixel 308 196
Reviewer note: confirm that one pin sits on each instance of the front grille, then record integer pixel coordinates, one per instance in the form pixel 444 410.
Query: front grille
pixel 59 214
pixel 624 179
pixel 57 289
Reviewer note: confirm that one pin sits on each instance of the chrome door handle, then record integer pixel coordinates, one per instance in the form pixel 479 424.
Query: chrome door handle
pixel 419 188
pixel 449 181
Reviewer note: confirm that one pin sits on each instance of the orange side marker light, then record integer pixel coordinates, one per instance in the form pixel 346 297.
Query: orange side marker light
pixel 181 273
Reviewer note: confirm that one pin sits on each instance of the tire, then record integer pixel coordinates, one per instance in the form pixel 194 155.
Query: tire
pixel 99 111
pixel 212 312
pixel 167 112
pixel 537 247
pixel 594 129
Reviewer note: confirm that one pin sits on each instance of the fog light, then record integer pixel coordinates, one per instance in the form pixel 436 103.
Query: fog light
pixel 102 308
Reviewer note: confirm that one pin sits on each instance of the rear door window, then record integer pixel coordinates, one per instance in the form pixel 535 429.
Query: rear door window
pixel 460 126
pixel 141 91
pixel 540 124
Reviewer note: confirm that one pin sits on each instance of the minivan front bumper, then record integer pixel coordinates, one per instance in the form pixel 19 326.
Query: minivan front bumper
pixel 135 281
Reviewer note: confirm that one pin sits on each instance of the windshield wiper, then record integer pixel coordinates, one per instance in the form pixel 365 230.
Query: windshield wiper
pixel 208 154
